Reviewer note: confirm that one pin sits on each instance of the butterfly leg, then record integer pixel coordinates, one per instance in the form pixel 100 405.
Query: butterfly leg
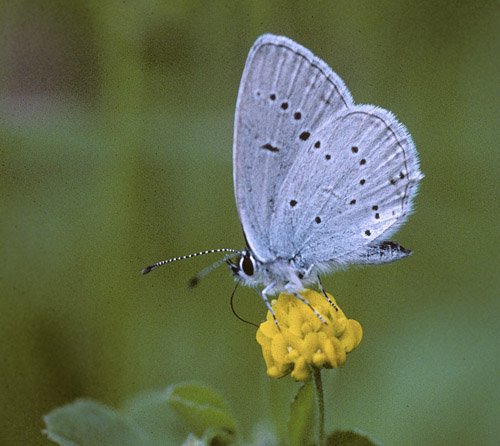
pixel 324 294
pixel 263 294
pixel 298 296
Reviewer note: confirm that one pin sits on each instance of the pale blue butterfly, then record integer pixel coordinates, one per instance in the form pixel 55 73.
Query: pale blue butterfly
pixel 320 183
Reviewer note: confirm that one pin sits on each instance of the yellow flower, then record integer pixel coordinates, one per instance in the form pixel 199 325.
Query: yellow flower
pixel 303 340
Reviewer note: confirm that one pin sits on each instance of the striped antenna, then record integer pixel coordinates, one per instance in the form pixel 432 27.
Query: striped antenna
pixel 174 259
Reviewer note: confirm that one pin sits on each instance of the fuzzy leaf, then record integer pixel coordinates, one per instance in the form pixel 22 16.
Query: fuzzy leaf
pixel 201 408
pixel 89 423
pixel 151 410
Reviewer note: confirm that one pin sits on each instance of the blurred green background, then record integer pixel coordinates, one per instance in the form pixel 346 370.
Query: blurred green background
pixel 116 136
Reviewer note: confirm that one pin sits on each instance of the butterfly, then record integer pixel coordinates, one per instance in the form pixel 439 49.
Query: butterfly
pixel 320 182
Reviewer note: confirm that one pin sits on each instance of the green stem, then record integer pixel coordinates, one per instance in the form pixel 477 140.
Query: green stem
pixel 321 405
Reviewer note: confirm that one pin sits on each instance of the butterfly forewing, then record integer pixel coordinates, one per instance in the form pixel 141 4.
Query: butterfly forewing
pixel 286 95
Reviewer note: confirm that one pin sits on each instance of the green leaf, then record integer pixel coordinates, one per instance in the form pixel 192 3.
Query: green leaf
pixel 201 408
pixel 350 438
pixel 87 422
pixel 302 422
pixel 151 410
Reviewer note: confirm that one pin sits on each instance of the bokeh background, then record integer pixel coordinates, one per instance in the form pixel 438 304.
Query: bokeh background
pixel 115 138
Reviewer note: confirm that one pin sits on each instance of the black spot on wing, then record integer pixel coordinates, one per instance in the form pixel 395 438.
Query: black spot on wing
pixel 270 148
pixel 304 136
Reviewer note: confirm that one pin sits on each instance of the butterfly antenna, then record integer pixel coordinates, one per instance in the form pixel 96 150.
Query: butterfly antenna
pixel 189 256
pixel 234 311
pixel 204 272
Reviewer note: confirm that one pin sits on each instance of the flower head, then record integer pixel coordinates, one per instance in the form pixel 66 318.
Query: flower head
pixel 303 340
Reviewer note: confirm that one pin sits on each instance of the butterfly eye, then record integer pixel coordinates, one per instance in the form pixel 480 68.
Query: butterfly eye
pixel 246 264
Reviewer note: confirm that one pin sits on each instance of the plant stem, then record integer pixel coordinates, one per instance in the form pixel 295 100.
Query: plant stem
pixel 321 406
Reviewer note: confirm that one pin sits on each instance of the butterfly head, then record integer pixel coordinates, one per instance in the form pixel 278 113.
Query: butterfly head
pixel 276 275
pixel 244 267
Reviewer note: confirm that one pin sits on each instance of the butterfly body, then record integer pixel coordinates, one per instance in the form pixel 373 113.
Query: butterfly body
pixel 293 275
pixel 276 275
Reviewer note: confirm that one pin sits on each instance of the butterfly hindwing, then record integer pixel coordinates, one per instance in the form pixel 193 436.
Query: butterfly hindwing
pixel 352 188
